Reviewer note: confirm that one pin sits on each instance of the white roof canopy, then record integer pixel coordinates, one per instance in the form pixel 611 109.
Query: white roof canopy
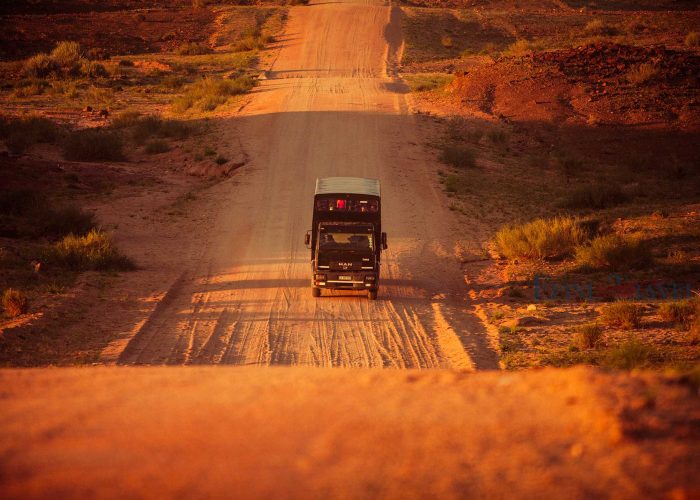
pixel 351 185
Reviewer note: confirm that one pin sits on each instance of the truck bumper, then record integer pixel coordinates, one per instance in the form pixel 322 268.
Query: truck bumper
pixel 345 280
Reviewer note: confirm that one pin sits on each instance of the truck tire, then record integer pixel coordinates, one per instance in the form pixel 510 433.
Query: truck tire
pixel 315 292
pixel 372 294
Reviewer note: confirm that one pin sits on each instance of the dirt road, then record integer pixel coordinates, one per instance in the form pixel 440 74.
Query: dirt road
pixel 201 432
pixel 330 106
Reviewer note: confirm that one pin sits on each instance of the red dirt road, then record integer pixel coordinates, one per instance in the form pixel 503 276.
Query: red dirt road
pixel 329 107
pixel 310 433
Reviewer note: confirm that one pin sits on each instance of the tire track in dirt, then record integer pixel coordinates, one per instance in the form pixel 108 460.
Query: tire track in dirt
pixel 332 105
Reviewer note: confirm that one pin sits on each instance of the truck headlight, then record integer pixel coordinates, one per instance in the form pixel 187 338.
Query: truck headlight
pixel 369 278
pixel 320 277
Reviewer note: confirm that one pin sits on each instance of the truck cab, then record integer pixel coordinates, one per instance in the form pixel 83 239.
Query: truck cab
pixel 346 238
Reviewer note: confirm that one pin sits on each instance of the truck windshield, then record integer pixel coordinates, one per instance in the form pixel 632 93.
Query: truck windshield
pixel 360 242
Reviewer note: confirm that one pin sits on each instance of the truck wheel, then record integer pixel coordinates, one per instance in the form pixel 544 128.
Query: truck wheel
pixel 372 295
pixel 315 292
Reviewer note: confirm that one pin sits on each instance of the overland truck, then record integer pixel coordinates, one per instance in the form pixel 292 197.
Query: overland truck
pixel 346 238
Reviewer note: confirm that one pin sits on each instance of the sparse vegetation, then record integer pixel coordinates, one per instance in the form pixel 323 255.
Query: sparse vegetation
pixel 210 93
pixel 456 184
pixel 94 251
pixel 678 311
pixel 622 314
pixel 193 49
pixel 694 329
pixel 156 147
pixel 597 27
pixel 65 60
pixel 595 196
pixel 692 39
pixel 457 156
pixel 540 239
pixel 14 302
pixel 641 74
pixel 424 82
pixel 628 355
pixel 221 160
pixel 587 336
pixel 26 212
pixel 20 134
pixel 93 145
pixel 522 46
pixel 614 252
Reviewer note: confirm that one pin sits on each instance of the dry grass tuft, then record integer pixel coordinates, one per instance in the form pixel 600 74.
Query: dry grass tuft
pixel 629 355
pixel 540 239
pixel 692 39
pixel 614 252
pixel 425 82
pixel 595 197
pixel 678 311
pixel 622 314
pixel 641 74
pixel 94 251
pixel 156 146
pixel 14 302
pixel 93 145
pixel 457 156
pixel 193 49
pixel 210 93
pixel 587 336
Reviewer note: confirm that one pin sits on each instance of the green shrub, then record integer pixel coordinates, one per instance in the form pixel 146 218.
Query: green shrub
pixel 14 302
pixel 614 252
pixel 40 66
pixel 622 314
pixel 677 311
pixel 94 251
pixel 587 336
pixel 156 147
pixel 595 197
pixel 424 82
pixel 93 145
pixel 66 54
pixel 193 49
pixel 457 156
pixel 221 160
pixel 209 93
pixel 629 355
pixel 540 239
pixel 692 39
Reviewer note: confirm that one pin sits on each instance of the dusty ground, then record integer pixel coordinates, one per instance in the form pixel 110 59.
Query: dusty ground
pixel 223 279
pixel 567 92
pixel 308 433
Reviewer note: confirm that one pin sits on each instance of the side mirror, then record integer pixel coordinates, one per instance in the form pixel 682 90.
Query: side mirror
pixel 384 245
pixel 307 239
